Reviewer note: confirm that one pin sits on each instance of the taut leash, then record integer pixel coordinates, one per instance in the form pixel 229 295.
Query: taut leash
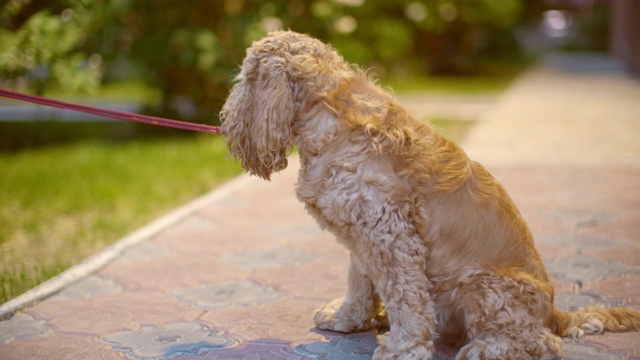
pixel 120 115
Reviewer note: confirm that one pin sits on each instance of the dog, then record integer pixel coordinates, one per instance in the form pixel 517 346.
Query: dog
pixel 438 250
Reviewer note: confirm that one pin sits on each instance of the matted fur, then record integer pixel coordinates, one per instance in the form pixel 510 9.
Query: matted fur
pixel 438 249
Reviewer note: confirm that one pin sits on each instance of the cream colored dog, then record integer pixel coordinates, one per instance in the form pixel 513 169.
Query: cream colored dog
pixel 435 241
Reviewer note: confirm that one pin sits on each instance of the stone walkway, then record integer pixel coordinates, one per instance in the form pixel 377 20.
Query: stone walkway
pixel 238 273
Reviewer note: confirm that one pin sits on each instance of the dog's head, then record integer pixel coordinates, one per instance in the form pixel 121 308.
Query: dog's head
pixel 281 75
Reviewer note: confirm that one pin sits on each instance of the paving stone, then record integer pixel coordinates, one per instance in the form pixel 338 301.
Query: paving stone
pixel 175 272
pixel 564 287
pixel 573 302
pixel 626 254
pixel 550 251
pixel 226 295
pixel 358 346
pixel 585 268
pixel 58 347
pixel 288 320
pixel 579 241
pixel 145 251
pixel 312 280
pixel 268 258
pixel 119 312
pixel 625 230
pixel 252 350
pixel 581 217
pixel 294 231
pixel 626 344
pixel 232 237
pixel 91 286
pixel 192 225
pixel 22 326
pixel 625 287
pixel 169 341
pixel 261 213
pixel 577 351
pixel 354 347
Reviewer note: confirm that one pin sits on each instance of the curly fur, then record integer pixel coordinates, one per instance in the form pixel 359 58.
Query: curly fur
pixel 438 249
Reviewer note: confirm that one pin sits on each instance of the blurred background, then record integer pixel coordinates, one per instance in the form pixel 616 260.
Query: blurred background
pixel 71 184
pixel 178 59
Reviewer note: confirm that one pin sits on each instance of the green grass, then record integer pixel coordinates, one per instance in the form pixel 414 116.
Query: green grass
pixel 452 84
pixel 493 77
pixel 453 129
pixel 60 204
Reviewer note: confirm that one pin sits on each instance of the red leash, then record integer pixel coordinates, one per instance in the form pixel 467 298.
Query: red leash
pixel 121 115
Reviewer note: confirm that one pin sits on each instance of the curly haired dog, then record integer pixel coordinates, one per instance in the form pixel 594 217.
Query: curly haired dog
pixel 438 249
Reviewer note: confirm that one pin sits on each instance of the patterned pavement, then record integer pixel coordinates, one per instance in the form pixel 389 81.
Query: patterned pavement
pixel 239 276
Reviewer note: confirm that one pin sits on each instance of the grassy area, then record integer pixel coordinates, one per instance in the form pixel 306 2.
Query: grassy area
pixel 452 84
pixel 452 129
pixel 60 204
pixel 493 77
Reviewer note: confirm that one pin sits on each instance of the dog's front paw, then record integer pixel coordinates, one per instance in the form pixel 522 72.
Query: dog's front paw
pixel 418 352
pixel 342 317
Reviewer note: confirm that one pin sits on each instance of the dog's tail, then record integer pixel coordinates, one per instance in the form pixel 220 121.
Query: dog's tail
pixel 595 320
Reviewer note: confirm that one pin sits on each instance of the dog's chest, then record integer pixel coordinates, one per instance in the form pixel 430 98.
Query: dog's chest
pixel 328 189
pixel 342 194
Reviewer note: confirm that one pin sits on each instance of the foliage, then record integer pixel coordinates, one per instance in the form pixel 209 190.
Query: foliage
pixel 191 50
pixel 43 49
pixel 592 29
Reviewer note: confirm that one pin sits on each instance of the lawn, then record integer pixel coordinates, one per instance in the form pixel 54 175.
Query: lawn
pixel 62 203
pixel 493 77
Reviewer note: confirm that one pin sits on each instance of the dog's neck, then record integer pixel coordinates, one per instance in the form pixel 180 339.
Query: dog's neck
pixel 315 128
pixel 317 123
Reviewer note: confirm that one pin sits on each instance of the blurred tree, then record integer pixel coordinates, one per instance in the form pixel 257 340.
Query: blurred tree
pixel 408 36
pixel 41 43
pixel 191 50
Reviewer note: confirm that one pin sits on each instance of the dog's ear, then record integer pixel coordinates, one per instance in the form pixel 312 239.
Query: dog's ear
pixel 258 115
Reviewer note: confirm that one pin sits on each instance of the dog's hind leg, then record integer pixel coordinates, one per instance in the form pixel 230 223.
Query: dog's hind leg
pixel 523 339
pixel 356 310
pixel 502 320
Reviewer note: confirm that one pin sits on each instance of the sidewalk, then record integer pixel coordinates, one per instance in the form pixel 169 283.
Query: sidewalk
pixel 238 273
